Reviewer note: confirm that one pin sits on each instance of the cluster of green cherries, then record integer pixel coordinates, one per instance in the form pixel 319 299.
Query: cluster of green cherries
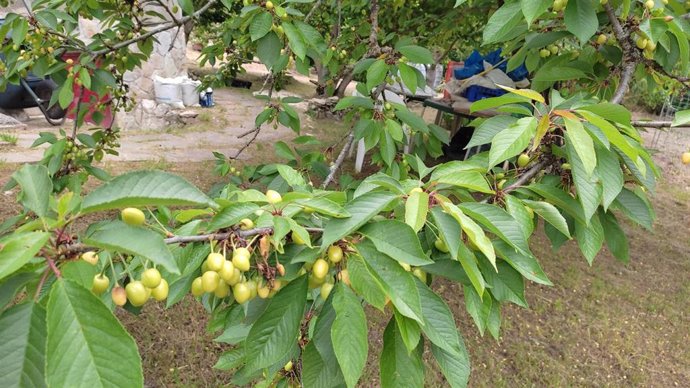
pixel 137 292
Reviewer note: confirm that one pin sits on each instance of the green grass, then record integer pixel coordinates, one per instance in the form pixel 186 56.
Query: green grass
pixel 9 138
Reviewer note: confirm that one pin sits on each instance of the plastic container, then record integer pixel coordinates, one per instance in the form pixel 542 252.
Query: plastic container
pixel 476 93
pixel 190 94
pixel 168 91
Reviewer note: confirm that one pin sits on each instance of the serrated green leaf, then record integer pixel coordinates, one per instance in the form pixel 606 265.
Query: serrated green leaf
pixel 588 187
pixel 145 188
pixel 398 367
pixel 397 283
pixel 416 209
pixel 34 180
pixel 590 238
pixel 319 363
pixel 261 25
pixel 275 331
pixel 409 330
pixel 408 74
pixel 550 214
pixel 517 209
pixel 268 50
pixel 472 180
pixel 297 44
pixel 451 233
pixel 512 140
pixel 485 132
pixel 291 176
pixel 86 345
pixel 349 334
pixel 635 208
pixel 479 308
pixel 455 367
pixel 474 232
pixel 610 175
pixel 232 215
pixel 376 73
pixel 18 248
pixel 230 359
pixel 361 210
pixel 120 237
pixel 22 346
pixel 439 324
pixel 504 24
pixel 615 237
pixel 526 265
pixel 580 18
pixel 506 284
pixel 499 222
pixel 582 143
pixel 364 283
pixel 397 240
pixel 613 112
pixel 417 54
pixel 532 9
pixel 560 199
pixel 324 206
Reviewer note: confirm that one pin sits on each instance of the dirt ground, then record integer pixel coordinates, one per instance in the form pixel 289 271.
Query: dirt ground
pixel 611 324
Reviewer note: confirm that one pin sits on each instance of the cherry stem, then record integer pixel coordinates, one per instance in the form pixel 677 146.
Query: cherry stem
pixel 40 284
pixel 53 267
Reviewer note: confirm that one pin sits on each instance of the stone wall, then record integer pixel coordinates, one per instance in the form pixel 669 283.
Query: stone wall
pixel 168 60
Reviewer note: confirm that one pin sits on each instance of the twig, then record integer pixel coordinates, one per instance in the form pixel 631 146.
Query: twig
pixel 256 129
pixel 526 176
pixel 53 267
pixel 339 161
pixel 313 9
pixel 75 248
pixel 41 283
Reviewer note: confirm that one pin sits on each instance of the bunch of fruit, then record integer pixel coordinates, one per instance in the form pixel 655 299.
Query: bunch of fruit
pixel 137 292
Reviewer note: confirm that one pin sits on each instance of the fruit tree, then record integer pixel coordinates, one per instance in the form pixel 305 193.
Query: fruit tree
pixel 286 256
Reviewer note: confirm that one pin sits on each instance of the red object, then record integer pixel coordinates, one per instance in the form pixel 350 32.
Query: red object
pixel 88 99
pixel 450 68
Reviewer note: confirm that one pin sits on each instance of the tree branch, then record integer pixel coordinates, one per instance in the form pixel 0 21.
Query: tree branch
pixel 527 175
pixel 629 54
pixel 624 83
pixel 654 124
pixel 339 161
pixel 79 247
pixel 148 34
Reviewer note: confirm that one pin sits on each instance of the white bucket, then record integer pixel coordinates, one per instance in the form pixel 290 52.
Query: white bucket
pixel 190 95
pixel 168 91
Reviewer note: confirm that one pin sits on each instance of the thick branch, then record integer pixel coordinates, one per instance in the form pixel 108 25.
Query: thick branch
pixel 624 83
pixel 654 124
pixel 148 34
pixel 374 18
pixel 629 54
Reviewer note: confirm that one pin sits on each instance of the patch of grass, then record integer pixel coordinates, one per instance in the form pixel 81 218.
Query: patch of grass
pixel 9 138
pixel 158 164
